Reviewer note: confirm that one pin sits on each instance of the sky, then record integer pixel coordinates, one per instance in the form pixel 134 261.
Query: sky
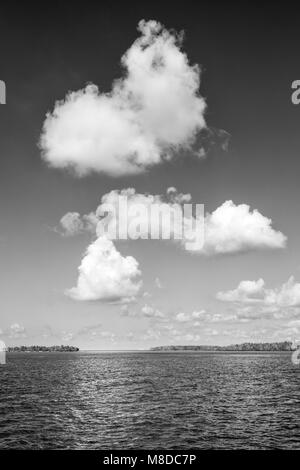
pixel 208 113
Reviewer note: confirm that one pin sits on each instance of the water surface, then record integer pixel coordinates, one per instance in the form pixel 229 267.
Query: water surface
pixel 143 400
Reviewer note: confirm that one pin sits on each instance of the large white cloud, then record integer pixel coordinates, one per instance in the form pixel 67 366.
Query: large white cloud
pixel 255 292
pixel 152 112
pixel 235 228
pixel 229 229
pixel 104 274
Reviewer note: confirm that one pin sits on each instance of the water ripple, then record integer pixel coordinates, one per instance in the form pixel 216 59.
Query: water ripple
pixel 149 400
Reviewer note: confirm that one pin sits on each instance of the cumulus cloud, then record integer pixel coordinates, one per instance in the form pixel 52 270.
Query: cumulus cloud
pixel 235 228
pixel 255 292
pixel 150 113
pixel 246 292
pixel 126 214
pixel 104 274
pixel 288 295
pixel 229 229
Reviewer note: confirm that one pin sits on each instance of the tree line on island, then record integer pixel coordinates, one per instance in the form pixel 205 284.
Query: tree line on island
pixel 282 346
pixel 61 348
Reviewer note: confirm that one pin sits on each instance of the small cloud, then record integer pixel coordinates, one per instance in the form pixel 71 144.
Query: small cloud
pixel 146 295
pixel 151 312
pixel 199 314
pixel 71 224
pixel 211 332
pixel 67 336
pixel 182 317
pixel 246 292
pixel 127 312
pixel 16 331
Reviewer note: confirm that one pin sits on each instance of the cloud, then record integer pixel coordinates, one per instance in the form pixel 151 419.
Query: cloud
pixel 146 311
pixel 151 312
pixel 71 224
pixel 182 317
pixel 235 228
pixel 255 292
pixel 88 331
pixel 286 296
pixel 158 283
pixel 146 294
pixel 198 317
pixel 294 323
pixel 16 331
pixel 67 336
pixel 104 274
pixel 151 113
pixel 199 314
pixel 246 292
pixel 140 211
pixel 229 229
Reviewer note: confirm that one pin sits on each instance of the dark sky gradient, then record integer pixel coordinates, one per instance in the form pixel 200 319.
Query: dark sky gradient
pixel 249 54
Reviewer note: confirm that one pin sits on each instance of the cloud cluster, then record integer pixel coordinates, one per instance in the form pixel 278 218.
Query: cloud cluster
pixel 169 334
pixel 14 331
pixel 199 317
pixel 151 113
pixel 185 317
pixel 255 292
pixel 147 311
pixel 104 274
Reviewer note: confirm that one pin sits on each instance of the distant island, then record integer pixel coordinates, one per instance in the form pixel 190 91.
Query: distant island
pixel 42 349
pixel 283 346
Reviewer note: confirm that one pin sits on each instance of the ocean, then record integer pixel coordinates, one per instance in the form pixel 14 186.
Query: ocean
pixel 147 400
